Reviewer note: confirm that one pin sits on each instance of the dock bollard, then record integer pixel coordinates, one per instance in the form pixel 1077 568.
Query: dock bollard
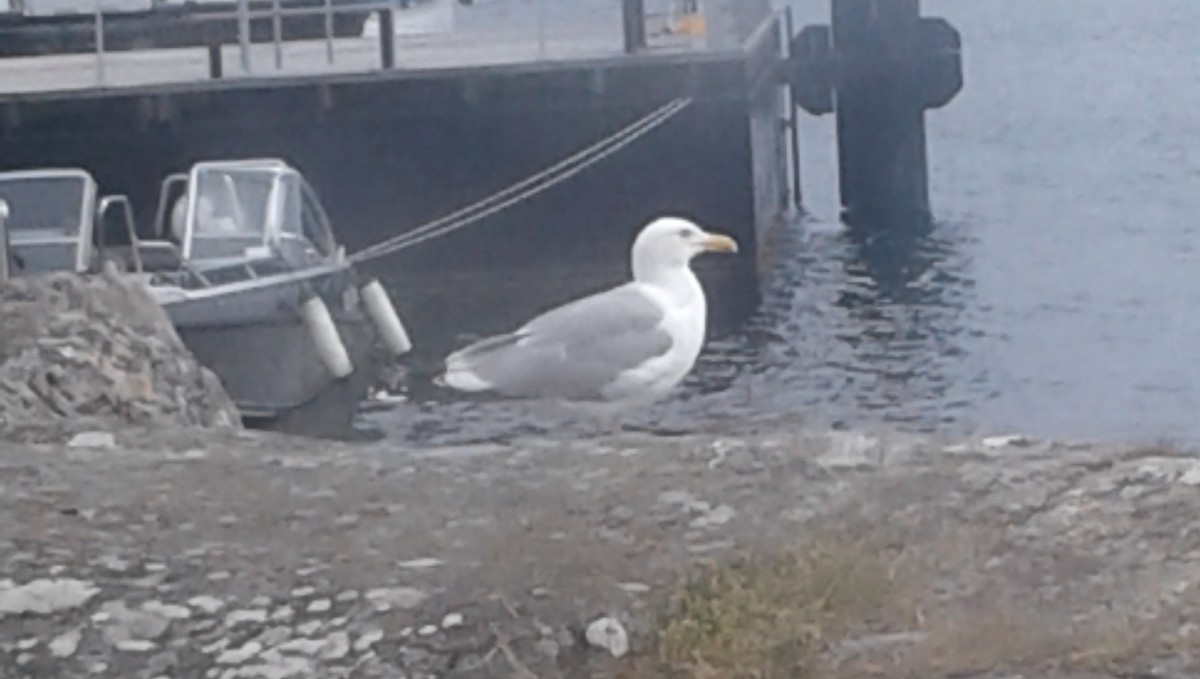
pixel 878 68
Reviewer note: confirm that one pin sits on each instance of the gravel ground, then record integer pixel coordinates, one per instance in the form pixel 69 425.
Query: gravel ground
pixel 143 553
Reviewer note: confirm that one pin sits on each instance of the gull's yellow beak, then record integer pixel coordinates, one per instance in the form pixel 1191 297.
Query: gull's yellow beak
pixel 719 242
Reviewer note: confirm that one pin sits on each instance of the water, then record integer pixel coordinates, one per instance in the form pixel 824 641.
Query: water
pixel 1056 295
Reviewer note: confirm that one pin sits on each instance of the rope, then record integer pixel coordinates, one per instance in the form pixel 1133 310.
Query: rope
pixel 527 188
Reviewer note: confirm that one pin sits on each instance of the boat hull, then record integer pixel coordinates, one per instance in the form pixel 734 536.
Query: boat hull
pixel 256 342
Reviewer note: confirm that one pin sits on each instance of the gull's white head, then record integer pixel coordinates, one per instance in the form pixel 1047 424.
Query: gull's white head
pixel 672 242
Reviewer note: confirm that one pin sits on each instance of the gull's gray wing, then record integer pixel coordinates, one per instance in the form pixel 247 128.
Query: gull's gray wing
pixel 571 352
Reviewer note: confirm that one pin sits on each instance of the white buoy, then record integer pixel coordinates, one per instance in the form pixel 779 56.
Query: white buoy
pixel 387 321
pixel 325 336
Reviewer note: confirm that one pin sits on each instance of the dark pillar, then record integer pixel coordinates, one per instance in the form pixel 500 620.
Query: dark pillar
pixel 633 12
pixel 387 39
pixel 880 119
pixel 887 65
pixel 215 67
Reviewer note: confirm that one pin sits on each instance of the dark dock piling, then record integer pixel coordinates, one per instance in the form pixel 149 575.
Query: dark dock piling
pixel 878 69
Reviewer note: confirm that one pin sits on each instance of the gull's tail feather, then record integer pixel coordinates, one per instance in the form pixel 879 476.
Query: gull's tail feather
pixel 463 366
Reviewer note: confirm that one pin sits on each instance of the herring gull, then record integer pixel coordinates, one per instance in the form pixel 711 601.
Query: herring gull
pixel 610 352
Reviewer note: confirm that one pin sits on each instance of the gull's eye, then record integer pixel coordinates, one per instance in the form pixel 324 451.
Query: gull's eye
pixel 685 233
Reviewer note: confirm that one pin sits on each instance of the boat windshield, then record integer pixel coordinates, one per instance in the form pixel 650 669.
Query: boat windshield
pixel 44 207
pixel 239 209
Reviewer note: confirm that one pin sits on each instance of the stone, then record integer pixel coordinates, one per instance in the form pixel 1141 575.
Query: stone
pixel 238 656
pixel 405 598
pixel 235 618
pixel 452 620
pixel 135 645
pixel 274 636
pixel 100 347
pixel 427 630
pixel 206 603
pixel 319 605
pixel 421 564
pixel 124 624
pixel 608 634
pixel 367 639
pixel 169 611
pixel 44 596
pixel 65 644
pixel 335 647
pixel 93 439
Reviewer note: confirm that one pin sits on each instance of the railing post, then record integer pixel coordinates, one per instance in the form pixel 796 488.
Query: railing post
pixel 216 69
pixel 633 14
pixel 329 31
pixel 243 12
pixel 277 33
pixel 541 27
pixel 99 21
pixel 387 38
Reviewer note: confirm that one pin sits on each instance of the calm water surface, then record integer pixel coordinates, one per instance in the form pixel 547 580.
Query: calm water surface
pixel 1058 294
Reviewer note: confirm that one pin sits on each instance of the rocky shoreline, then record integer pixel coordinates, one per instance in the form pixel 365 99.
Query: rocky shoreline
pixel 238 554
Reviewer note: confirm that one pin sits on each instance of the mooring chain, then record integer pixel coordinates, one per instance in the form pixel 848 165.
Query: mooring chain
pixel 527 188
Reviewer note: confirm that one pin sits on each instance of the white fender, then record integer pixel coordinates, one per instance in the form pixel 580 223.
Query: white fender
pixel 325 336
pixel 381 312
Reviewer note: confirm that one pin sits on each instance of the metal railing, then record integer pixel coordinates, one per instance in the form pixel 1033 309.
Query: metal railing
pixel 633 12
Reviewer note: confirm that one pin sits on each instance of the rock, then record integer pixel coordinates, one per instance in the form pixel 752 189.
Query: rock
pixel 608 634
pixel 421 564
pixel 93 439
pixel 135 646
pixel 405 598
pixel 427 630
pixel 309 628
pixel 206 604
pixel 717 517
pixel 320 606
pixel 335 647
pixel 301 592
pixel 26 644
pixel 99 347
pixel 849 450
pixel 275 636
pixel 123 624
pixel 235 618
pixel 44 596
pixel 237 656
pixel 65 644
pixel 367 639
pixel 168 611
pixel 452 620
pixel 302 646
